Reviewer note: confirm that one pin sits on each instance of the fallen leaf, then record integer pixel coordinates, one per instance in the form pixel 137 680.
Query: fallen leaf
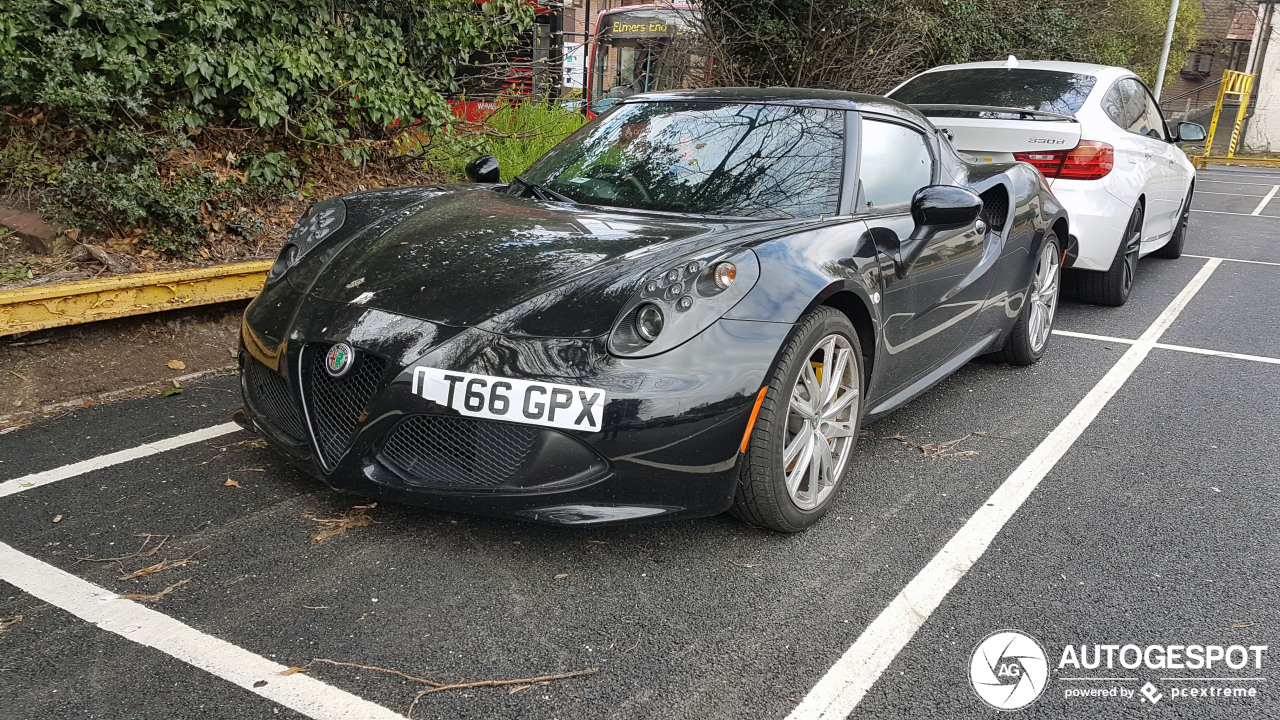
pixel 57 518
pixel 293 670
pixel 171 392
pixel 177 365
pixel 231 483
pixel 562 576
pixel 154 597
pixel 1234 626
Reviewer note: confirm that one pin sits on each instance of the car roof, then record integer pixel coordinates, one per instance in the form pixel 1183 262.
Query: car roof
pixel 1052 65
pixel 806 97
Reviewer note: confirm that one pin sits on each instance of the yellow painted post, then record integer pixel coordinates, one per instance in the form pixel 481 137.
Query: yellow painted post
pixel 1217 108
pixel 47 306
pixel 1246 87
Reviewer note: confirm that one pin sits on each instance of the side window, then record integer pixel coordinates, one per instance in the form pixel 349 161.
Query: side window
pixel 1153 120
pixel 1113 104
pixel 895 163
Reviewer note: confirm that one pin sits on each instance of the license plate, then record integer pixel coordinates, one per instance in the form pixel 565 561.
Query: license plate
pixel 569 407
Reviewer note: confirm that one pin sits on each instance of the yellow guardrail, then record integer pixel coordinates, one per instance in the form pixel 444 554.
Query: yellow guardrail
pixel 1233 83
pixel 38 308
pixel 1203 161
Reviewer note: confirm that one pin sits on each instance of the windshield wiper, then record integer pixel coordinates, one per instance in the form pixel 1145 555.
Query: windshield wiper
pixel 543 193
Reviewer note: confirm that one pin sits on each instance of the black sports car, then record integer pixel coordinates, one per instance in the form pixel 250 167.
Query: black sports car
pixel 688 306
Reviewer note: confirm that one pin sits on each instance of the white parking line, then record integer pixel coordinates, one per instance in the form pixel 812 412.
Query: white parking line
pixel 1265 200
pixel 145 626
pixel 1233 182
pixel 847 682
pixel 1206 192
pixel 1221 212
pixel 27 482
pixel 1251 262
pixel 1166 346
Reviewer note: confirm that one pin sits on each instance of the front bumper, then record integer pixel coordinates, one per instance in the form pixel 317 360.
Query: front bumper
pixel 667 446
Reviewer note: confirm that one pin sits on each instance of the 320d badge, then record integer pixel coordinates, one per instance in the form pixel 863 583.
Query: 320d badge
pixel 689 306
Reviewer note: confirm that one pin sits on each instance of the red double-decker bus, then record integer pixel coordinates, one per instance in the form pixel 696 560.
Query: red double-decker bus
pixel 638 48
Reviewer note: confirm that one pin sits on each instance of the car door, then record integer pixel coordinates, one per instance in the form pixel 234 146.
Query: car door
pixel 929 312
pixel 1147 147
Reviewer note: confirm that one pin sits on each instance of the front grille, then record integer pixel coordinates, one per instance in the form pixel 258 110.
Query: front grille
pixel 334 407
pixel 270 397
pixel 456 452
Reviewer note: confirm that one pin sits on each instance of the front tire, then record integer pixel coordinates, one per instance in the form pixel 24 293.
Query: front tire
pixel 804 435
pixel 1112 286
pixel 1030 334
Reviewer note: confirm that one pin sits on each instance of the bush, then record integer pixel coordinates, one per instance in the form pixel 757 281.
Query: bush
pixel 134 82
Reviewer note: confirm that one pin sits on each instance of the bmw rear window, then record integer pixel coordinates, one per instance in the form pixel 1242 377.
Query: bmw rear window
pixel 1025 88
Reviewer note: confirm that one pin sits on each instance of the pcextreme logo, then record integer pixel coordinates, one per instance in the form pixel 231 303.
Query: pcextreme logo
pixel 1009 670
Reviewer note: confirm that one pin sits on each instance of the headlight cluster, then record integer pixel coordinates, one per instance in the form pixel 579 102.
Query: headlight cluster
pixel 675 303
pixel 317 223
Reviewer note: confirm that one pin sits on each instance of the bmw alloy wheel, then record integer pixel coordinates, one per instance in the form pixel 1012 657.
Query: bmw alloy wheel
pixel 1044 297
pixel 821 422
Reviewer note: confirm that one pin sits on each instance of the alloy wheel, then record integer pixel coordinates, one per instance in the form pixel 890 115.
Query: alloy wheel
pixel 1133 243
pixel 1044 297
pixel 821 419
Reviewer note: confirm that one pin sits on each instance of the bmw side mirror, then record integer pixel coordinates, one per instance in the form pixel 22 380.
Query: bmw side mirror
pixel 1191 132
pixel 936 209
pixel 483 169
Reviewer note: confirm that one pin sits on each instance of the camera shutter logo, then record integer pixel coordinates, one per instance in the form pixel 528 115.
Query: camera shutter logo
pixel 1008 670
pixel 339 360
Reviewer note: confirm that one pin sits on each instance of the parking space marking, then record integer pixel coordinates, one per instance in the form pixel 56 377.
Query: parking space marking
pixel 27 482
pixel 1166 346
pixel 1206 192
pixel 1251 262
pixel 1236 182
pixel 132 621
pixel 1222 212
pixel 838 692
pixel 1265 200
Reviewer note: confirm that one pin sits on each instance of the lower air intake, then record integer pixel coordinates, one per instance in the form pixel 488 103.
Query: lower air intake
pixel 453 453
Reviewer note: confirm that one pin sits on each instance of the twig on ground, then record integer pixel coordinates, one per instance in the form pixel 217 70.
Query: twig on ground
pixel 163 565
pixel 938 450
pixel 435 687
pixel 146 540
pixel 6 623
pixel 498 683
pixel 154 597
pixel 333 527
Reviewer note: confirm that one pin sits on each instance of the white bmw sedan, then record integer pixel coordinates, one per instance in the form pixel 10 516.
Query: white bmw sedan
pixel 1096 135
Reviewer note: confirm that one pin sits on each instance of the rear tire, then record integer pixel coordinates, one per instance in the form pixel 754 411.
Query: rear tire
pixel 1112 286
pixel 790 494
pixel 1030 335
pixel 1172 250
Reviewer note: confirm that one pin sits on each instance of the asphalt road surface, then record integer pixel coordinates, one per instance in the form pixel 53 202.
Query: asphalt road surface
pixel 1122 492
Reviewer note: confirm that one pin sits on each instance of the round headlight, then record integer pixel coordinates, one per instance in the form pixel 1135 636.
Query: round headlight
pixel 649 322
pixel 725 274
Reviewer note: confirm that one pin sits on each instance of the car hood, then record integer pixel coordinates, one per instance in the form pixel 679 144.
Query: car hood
pixel 472 257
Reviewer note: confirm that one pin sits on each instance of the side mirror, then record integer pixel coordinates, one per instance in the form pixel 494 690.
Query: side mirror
pixel 936 209
pixel 1191 132
pixel 483 169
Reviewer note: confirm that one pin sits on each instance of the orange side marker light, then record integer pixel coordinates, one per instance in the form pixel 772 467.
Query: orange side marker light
pixel 751 421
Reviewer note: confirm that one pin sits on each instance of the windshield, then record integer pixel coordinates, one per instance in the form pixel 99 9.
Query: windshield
pixel 1043 90
pixel 639 51
pixel 706 158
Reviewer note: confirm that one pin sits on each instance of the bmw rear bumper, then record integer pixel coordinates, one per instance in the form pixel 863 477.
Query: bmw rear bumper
pixel 667 445
pixel 1097 218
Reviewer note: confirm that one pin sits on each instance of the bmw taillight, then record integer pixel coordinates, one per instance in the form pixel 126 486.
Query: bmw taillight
pixel 1089 160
